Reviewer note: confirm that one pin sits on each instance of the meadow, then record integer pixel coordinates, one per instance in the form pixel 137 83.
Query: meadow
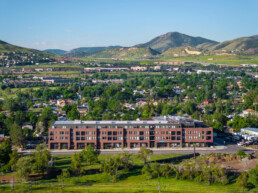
pixel 132 181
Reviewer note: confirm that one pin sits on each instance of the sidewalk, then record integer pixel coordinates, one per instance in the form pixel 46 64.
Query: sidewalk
pixel 137 149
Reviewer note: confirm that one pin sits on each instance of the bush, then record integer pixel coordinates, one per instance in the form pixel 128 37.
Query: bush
pixel 241 153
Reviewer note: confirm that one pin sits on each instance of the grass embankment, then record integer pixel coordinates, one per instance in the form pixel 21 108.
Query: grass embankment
pixel 132 181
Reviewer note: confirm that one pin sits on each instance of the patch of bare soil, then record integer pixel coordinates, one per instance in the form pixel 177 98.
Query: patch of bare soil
pixel 239 165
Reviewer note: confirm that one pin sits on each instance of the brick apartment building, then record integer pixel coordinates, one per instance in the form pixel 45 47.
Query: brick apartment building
pixel 170 131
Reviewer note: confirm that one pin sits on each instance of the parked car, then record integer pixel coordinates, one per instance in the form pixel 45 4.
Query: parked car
pixel 240 143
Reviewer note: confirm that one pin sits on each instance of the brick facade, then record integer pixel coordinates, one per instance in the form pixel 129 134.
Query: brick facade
pixel 130 134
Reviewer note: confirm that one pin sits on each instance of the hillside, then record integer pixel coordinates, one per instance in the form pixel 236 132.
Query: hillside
pixel 55 51
pixel 240 44
pixel 6 47
pixel 175 39
pixel 180 52
pixel 90 50
pixel 125 53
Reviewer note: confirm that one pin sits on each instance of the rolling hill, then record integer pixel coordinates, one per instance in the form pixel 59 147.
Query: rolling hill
pixel 175 39
pixel 181 52
pixel 240 44
pixel 55 51
pixel 126 53
pixel 6 47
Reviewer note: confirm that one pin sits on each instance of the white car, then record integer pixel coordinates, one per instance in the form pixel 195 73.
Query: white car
pixel 240 143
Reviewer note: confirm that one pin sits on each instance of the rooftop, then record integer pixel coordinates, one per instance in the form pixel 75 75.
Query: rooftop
pixel 250 129
pixel 76 122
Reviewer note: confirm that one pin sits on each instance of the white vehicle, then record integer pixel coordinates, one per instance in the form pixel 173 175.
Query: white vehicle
pixel 251 138
pixel 240 143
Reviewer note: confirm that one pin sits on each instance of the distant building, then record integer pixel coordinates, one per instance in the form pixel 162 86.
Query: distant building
pixel 250 131
pixel 139 68
pixel 61 102
pixel 249 112
pixel 82 110
pixel 206 102
pixel 28 125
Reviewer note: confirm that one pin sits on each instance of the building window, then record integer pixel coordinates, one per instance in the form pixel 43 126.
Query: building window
pixel 77 138
pixel 83 138
pixel 178 133
pixel 64 127
pixel 83 133
pixel 173 138
pixel 77 132
pixel 208 132
pixel 208 138
pixel 173 132
pixel 178 138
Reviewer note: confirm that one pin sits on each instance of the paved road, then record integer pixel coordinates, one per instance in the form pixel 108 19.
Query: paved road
pixel 218 142
pixel 230 148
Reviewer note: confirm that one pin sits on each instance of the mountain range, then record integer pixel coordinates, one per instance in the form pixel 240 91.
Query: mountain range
pixel 172 44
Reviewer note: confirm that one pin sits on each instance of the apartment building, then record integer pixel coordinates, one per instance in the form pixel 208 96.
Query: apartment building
pixel 162 132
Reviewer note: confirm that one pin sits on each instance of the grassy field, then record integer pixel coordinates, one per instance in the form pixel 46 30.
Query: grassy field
pixel 132 181
pixel 219 60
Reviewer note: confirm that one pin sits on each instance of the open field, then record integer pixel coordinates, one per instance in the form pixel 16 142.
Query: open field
pixel 219 60
pixel 132 181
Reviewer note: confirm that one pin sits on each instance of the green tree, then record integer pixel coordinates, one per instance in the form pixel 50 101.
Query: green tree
pixel 111 167
pixel 242 180
pixel 5 151
pixel 14 157
pixel 41 156
pixel 144 154
pixel 76 164
pixel 74 113
pixel 47 117
pixel 90 155
pixel 24 167
pixel 253 176
pixel 16 134
pixel 61 178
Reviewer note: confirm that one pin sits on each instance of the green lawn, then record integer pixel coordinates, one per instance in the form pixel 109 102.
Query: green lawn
pixel 132 181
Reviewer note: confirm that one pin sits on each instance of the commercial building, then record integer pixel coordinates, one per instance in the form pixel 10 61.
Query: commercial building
pixel 168 131
pixel 250 131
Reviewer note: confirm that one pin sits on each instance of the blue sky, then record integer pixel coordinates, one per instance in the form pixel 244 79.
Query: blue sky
pixel 67 24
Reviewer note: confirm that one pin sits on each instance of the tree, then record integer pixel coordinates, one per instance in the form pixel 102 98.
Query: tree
pixel 125 159
pixel 253 176
pixel 61 178
pixel 144 154
pixel 47 117
pixel 75 166
pixel 5 151
pixel 166 170
pixel 90 155
pixel 41 156
pixel 110 167
pixel 14 157
pixel 24 167
pixel 73 114
pixel 16 134
pixel 20 118
pixel 242 180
